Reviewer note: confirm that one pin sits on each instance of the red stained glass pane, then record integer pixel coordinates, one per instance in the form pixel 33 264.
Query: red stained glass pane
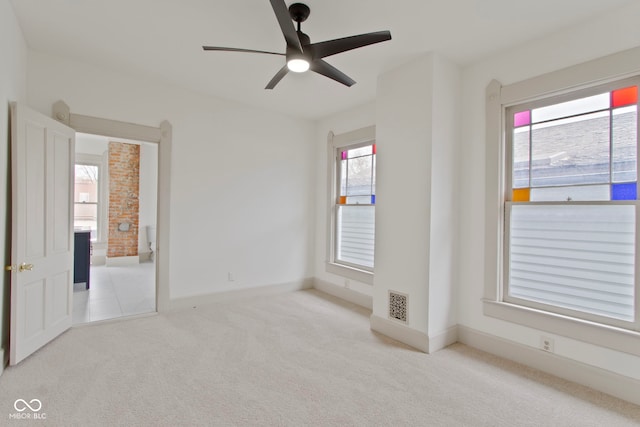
pixel 626 96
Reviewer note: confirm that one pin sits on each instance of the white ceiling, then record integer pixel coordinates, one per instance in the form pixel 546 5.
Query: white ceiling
pixel 162 39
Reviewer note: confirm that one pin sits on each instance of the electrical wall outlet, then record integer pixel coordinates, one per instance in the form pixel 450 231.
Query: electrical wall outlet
pixel 546 343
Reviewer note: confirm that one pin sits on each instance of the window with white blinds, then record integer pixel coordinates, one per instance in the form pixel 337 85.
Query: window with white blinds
pixel 571 205
pixel 580 258
pixel 355 206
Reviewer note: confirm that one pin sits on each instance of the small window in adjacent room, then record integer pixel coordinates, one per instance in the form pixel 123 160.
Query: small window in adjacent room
pixel 353 201
pixel 570 219
pixel 86 200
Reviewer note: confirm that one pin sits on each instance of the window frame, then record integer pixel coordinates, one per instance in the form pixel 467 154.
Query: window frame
pixel 336 144
pixel 98 162
pixel 616 67
pixel 508 203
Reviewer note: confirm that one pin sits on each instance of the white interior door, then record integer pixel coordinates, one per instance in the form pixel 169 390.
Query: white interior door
pixel 42 156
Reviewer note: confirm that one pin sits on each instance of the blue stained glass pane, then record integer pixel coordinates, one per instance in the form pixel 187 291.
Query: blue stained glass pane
pixel 373 199
pixel 624 191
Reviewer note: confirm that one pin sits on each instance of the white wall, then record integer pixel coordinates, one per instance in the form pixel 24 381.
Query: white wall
pixel 13 67
pixel 403 186
pixel 148 194
pixel 417 202
pixel 606 34
pixel 445 156
pixel 241 191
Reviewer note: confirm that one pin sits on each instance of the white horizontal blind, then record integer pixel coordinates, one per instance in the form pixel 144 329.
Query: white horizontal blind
pixel 579 257
pixel 356 234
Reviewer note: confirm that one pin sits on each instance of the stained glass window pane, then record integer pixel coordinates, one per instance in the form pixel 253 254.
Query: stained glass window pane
pixel 626 96
pixel 522 118
pixel 624 191
pixel 520 195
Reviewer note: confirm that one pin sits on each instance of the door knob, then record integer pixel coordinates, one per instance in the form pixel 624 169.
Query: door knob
pixel 22 267
pixel 25 267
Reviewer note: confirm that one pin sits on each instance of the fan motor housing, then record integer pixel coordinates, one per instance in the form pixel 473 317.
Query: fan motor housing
pixel 299 12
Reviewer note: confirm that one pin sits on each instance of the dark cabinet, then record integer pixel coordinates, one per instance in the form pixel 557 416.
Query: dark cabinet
pixel 82 257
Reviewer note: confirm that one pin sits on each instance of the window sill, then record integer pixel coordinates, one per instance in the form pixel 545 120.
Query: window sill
pixel 350 273
pixel 593 333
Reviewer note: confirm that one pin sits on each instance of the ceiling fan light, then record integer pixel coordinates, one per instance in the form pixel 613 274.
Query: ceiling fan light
pixel 298 65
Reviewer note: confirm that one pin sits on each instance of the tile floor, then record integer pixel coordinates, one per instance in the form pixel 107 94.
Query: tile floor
pixel 115 292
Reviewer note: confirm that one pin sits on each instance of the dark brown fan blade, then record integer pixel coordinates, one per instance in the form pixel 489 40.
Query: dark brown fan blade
pixel 286 24
pixel 276 79
pixel 331 47
pixel 328 70
pixel 233 49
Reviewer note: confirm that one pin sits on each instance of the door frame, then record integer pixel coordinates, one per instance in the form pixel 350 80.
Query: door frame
pixel 161 135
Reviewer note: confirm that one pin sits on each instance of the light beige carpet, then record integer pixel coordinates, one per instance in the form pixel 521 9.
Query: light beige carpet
pixel 296 359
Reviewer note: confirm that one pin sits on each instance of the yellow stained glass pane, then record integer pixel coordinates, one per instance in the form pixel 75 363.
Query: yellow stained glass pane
pixel 520 195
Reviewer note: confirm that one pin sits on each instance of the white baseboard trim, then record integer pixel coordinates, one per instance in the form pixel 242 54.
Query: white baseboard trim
pixel 346 294
pixel 399 332
pixel 144 256
pixel 122 260
pixel 608 382
pixel 4 362
pixel 443 339
pixel 237 294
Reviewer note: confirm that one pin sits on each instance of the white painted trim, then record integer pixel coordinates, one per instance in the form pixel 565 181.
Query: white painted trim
pixel 237 294
pixel 114 319
pixel 163 136
pixel 144 256
pixel 443 339
pixel 599 379
pixel 112 128
pixel 163 255
pixel 358 136
pixel 4 361
pixel 601 70
pixel 122 260
pixel 400 332
pixel 365 301
pixel 494 161
pixel 350 272
pixel 583 330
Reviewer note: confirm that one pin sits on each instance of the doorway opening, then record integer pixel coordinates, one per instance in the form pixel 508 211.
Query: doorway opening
pixel 115 217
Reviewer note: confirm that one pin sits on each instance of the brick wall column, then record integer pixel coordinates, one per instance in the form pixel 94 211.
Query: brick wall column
pixel 124 202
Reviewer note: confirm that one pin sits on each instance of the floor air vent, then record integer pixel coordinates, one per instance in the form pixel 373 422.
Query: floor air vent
pixel 398 306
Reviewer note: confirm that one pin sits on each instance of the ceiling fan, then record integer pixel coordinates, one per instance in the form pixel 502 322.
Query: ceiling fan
pixel 301 54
